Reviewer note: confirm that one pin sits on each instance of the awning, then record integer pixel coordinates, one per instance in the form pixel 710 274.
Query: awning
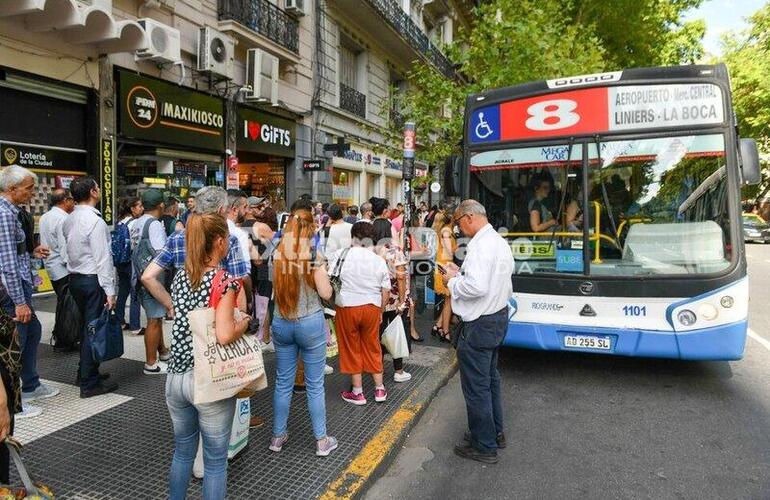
pixel 78 23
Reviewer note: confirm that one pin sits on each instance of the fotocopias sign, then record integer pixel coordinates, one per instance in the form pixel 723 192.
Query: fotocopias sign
pixel 159 111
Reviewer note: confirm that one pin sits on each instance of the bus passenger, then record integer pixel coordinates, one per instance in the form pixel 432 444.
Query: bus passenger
pixel 541 218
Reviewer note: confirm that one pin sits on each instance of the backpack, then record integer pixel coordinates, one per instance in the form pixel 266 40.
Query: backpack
pixel 121 244
pixel 143 253
pixel 68 333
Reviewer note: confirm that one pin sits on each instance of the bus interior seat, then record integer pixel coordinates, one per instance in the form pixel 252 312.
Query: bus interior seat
pixel 675 247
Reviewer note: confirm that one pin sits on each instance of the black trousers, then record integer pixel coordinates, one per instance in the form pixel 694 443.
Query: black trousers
pixel 387 317
pixel 477 348
pixel 90 299
pixel 60 289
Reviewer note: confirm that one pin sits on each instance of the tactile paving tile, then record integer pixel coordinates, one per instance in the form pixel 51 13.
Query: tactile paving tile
pixel 125 451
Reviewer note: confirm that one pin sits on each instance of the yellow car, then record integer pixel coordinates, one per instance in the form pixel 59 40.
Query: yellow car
pixel 755 229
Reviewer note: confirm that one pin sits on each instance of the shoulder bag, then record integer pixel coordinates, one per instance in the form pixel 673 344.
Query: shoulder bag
pixel 222 371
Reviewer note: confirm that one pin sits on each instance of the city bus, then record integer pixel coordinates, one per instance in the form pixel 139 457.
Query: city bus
pixel 619 194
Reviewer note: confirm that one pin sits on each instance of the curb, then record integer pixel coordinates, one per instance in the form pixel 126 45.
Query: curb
pixel 379 452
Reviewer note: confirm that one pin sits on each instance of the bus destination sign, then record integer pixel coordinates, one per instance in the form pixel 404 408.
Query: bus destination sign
pixel 598 110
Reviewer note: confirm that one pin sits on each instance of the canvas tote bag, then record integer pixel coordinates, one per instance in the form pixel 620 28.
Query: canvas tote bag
pixel 222 371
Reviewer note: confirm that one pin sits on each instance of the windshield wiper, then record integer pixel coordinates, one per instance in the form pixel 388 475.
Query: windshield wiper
pixel 605 197
pixel 570 144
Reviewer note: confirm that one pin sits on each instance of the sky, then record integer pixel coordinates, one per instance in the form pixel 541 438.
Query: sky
pixel 722 16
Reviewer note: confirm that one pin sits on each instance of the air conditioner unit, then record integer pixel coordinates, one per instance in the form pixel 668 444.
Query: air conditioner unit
pixel 216 52
pixel 164 43
pixel 261 76
pixel 295 7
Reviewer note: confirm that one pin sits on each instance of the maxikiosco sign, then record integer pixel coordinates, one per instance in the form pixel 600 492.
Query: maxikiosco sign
pixel 264 133
pixel 160 111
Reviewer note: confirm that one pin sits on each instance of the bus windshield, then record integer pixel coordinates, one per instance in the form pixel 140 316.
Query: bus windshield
pixel 656 206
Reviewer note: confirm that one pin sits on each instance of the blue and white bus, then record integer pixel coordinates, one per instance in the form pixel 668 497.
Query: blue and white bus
pixel 620 195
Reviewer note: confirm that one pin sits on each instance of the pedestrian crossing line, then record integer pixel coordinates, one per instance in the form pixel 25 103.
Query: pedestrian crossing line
pixel 764 342
pixel 349 483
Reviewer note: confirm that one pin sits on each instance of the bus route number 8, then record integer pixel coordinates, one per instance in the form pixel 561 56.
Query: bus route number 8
pixel 552 115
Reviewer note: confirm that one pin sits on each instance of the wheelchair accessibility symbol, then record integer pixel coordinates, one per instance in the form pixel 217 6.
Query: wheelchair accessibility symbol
pixel 483 130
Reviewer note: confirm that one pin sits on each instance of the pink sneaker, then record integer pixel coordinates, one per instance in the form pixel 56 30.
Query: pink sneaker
pixel 356 399
pixel 380 395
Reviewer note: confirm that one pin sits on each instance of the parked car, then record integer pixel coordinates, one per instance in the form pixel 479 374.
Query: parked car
pixel 755 229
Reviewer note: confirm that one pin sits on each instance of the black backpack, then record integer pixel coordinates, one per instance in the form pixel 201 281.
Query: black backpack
pixel 69 334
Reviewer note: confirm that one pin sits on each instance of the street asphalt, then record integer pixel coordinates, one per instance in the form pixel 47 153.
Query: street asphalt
pixel 591 426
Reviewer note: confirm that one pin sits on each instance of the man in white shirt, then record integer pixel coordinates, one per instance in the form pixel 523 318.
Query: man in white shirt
pixel 51 236
pixel 237 206
pixel 156 353
pixel 92 274
pixel 480 291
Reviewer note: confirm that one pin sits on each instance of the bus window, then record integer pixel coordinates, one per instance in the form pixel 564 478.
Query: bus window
pixel 533 197
pixel 659 206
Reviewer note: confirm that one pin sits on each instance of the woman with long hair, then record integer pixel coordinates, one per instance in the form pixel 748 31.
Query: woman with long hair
pixel 300 282
pixel 206 243
pixel 447 245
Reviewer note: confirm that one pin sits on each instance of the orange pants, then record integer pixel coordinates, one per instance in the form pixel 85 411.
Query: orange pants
pixel 358 338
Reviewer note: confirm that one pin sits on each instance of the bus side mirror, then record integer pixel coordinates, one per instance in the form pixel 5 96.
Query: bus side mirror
pixel 453 175
pixel 750 161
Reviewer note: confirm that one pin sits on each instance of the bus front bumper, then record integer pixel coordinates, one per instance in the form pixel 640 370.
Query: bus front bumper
pixel 725 342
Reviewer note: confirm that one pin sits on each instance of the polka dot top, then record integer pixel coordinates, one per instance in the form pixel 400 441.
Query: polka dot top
pixel 185 299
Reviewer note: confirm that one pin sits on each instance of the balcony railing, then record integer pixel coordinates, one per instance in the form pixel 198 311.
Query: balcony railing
pixel 392 12
pixel 352 101
pixel 264 18
pixel 396 118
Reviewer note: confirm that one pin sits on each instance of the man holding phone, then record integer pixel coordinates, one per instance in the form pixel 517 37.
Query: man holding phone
pixel 480 291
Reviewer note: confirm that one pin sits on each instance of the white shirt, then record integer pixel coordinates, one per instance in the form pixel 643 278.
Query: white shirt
pixel 156 232
pixel 364 276
pixel 339 237
pixel 51 235
pixel 89 246
pixel 484 285
pixel 243 240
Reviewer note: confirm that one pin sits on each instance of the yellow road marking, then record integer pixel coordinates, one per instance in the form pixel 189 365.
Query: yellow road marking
pixel 365 463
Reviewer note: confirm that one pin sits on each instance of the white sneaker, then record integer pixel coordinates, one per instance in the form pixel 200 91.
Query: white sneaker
pixel 402 377
pixel 328 370
pixel 159 368
pixel 267 347
pixel 165 357
pixel 42 392
pixel 29 411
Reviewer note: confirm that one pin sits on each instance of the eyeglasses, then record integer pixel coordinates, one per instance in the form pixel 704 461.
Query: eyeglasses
pixel 458 219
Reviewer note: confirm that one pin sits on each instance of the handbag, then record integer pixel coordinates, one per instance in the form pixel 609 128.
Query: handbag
pixel 222 371
pixel 394 339
pixel 332 348
pixel 31 489
pixel 106 336
pixel 336 282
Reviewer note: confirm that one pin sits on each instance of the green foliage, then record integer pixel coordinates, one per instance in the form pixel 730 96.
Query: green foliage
pixel 515 41
pixel 747 55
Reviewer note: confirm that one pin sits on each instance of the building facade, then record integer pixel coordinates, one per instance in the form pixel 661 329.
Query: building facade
pixel 177 94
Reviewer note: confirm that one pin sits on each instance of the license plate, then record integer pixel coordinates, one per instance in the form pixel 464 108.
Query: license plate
pixel 587 342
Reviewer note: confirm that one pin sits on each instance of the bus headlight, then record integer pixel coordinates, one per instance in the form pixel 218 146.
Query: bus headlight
pixel 686 317
pixel 727 302
pixel 708 312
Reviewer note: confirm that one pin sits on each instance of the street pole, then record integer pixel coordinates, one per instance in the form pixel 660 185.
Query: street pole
pixel 408 174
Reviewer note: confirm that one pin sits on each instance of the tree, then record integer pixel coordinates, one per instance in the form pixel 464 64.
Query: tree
pixel 747 55
pixel 514 41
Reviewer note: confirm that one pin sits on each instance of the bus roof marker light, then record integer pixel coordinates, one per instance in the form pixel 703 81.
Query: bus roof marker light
pixel 727 302
pixel 480 98
pixel 686 317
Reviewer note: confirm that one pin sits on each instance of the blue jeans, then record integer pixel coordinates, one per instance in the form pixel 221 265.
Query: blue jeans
pixel 214 422
pixel 29 339
pixel 477 349
pixel 306 337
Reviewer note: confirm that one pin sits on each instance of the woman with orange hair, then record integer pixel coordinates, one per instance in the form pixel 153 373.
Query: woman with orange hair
pixel 299 282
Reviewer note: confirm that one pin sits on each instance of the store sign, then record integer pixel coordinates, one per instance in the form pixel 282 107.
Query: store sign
pixel 41 158
pixel 233 180
pixel 160 111
pixel 314 165
pixel 263 133
pixel 106 181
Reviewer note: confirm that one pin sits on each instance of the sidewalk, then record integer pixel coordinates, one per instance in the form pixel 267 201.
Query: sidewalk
pixel 120 445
